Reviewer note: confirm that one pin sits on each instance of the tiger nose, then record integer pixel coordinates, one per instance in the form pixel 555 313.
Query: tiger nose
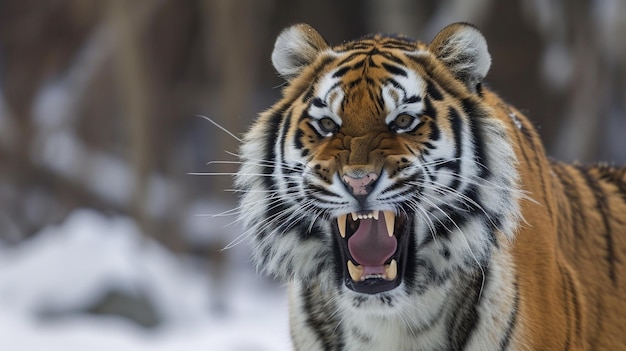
pixel 360 185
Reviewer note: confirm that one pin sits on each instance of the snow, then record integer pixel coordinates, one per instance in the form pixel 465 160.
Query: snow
pixel 66 268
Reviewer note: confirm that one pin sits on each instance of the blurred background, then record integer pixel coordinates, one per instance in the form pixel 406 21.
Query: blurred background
pixel 106 240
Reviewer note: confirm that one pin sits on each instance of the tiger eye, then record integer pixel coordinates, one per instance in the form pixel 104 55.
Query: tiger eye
pixel 404 121
pixel 327 125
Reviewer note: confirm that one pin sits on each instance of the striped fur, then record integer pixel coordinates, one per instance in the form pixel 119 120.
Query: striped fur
pixel 498 248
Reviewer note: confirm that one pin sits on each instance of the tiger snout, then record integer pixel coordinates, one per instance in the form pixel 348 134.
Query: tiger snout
pixel 360 185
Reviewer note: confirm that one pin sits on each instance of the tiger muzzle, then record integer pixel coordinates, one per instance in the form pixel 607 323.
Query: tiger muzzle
pixel 360 185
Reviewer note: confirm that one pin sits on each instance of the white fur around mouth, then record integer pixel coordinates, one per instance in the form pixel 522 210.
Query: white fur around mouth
pixel 390 220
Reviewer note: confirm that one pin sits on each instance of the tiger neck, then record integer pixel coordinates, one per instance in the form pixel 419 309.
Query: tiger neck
pixel 467 312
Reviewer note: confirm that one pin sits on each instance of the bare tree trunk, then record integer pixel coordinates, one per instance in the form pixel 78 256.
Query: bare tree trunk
pixel 577 139
pixel 231 51
pixel 135 92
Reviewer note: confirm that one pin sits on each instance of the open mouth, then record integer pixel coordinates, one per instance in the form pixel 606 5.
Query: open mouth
pixel 372 249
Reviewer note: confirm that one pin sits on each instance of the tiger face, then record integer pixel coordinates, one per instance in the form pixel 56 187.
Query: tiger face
pixel 380 172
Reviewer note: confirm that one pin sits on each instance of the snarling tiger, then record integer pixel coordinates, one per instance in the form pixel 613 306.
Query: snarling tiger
pixel 411 208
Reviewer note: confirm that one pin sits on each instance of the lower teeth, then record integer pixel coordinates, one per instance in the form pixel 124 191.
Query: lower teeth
pixel 356 272
pixel 391 270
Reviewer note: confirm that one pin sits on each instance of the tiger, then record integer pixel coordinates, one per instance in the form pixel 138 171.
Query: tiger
pixel 409 207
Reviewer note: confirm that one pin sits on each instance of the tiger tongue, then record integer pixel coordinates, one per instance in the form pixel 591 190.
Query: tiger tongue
pixel 371 245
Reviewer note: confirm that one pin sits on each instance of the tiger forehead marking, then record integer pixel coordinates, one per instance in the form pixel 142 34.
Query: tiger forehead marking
pixel 362 97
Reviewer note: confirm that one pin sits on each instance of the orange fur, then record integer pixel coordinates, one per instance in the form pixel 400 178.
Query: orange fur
pixel 563 240
pixel 572 281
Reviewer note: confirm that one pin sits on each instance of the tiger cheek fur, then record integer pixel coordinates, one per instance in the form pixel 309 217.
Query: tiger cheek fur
pixel 410 208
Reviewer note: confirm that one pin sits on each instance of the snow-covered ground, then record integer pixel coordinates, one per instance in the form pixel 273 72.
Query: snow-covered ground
pixel 67 268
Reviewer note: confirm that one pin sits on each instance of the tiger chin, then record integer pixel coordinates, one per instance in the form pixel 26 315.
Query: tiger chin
pixel 410 208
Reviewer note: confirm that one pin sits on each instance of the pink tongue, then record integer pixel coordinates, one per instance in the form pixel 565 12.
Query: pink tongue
pixel 371 245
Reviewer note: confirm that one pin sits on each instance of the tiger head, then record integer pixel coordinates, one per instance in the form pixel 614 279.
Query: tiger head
pixel 381 169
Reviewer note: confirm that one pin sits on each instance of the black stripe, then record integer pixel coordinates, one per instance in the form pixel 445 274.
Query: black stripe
pixel 371 62
pixel 445 226
pixel 283 137
pixel 542 178
pixel 479 89
pixel 508 333
pixel 599 314
pixel 308 94
pixel 298 144
pixel 391 57
pixel 321 319
pixel 267 249
pixel 410 149
pixel 321 66
pixel 341 72
pixel 433 91
pixel 412 99
pixel 396 85
pixel 466 316
pixel 603 207
pixel 353 83
pixel 399 46
pixel 397 187
pixel 358 65
pixel 575 216
pixel 614 176
pixel 428 145
pixel 394 70
pixel 356 46
pixel 430 65
pixel 441 163
pixel 428 109
pixel 271 136
pixel 535 164
pixel 566 288
pixel 317 102
pixel 351 57
pixel 411 262
pixel 325 62
pixel 456 124
pixel 527 132
pixel 521 147
pixel 573 297
pixel 577 310
pixel 336 84
pixel 398 42
pixel 474 114
pixel 274 211
pixel 377 98
pixel 532 140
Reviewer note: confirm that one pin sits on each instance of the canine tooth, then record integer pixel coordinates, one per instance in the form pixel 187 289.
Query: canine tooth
pixel 375 215
pixel 356 272
pixel 391 270
pixel 341 223
pixel 355 216
pixel 390 220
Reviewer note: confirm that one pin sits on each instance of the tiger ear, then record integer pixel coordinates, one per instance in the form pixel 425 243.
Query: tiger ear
pixel 463 49
pixel 296 47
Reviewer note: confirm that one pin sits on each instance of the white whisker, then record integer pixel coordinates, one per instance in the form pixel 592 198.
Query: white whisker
pixel 222 128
